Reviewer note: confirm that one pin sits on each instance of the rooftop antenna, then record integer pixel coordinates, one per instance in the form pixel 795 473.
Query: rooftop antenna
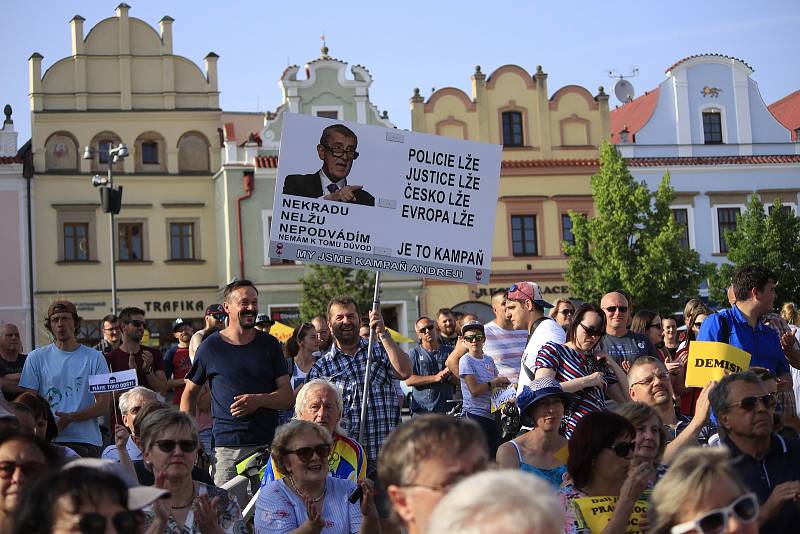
pixel 623 89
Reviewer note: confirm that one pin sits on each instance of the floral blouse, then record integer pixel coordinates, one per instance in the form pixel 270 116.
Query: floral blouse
pixel 230 520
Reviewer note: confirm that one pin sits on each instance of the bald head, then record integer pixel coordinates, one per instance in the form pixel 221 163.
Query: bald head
pixel 10 342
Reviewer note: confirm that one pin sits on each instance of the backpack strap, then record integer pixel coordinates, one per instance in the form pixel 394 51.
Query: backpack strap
pixel 534 326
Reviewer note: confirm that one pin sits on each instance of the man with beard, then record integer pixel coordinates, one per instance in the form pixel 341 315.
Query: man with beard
pixel 215 321
pixel 249 382
pixel 320 323
pixel 176 360
pixel 130 354
pixel 345 366
pixel 11 360
pixel 649 383
pixel 768 463
pixel 111 337
pixel 446 321
pixel 60 373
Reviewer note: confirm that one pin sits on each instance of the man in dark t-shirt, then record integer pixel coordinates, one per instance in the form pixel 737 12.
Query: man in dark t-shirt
pixel 619 342
pixel 246 371
pixel 11 360
pixel 176 360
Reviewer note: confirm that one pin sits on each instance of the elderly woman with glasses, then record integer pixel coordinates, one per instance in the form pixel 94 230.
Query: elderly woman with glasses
pixel 583 371
pixel 307 499
pixel 703 494
pixel 600 465
pixel 169 445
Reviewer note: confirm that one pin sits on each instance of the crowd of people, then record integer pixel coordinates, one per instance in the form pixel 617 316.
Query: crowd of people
pixel 608 437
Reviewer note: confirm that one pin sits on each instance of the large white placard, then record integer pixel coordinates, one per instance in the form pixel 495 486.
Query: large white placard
pixel 425 206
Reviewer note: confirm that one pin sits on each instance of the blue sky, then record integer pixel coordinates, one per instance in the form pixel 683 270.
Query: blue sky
pixel 427 44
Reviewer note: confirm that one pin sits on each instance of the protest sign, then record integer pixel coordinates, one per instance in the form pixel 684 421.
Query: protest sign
pixel 502 395
pixel 119 381
pixel 596 513
pixel 710 360
pixel 422 204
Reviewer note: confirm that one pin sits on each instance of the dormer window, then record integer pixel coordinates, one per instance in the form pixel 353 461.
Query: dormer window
pixel 712 127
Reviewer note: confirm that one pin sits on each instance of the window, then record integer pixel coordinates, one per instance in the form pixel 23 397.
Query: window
pixel 726 220
pixel 150 153
pixel 181 241
pixel 523 235
pixel 566 229
pixel 328 114
pixel 712 127
pixel 681 216
pixel 130 243
pixel 76 241
pixel 785 209
pixel 512 128
pixel 102 151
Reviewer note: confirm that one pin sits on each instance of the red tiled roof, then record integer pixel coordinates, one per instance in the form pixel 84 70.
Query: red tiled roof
pixel 787 111
pixel 723 56
pixel 533 163
pixel 633 115
pixel 267 162
pixel 230 131
pixel 713 160
pixel 8 160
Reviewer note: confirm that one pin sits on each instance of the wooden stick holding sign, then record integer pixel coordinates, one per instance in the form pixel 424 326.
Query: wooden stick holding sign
pixel 710 360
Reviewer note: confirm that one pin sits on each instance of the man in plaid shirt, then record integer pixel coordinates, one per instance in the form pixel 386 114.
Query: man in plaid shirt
pixel 345 365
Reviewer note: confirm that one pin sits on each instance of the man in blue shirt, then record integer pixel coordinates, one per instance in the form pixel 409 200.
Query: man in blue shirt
pixel 740 326
pixel 431 380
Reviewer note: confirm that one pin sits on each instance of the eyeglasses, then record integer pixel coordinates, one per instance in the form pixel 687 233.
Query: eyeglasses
pixel 426 329
pixel 655 326
pixel 744 508
pixel 623 448
pixel 7 469
pixel 135 323
pixel 305 454
pixel 661 375
pixel 168 445
pixel 521 289
pixel 124 522
pixel 340 152
pixel 613 309
pixel 219 316
pixel 591 332
pixel 567 311
pixel 697 324
pixel 749 403
pixel 474 337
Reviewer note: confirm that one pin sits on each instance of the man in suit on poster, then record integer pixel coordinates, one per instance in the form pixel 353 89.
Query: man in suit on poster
pixel 337 150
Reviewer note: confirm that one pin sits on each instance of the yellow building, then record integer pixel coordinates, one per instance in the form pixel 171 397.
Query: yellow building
pixel 123 84
pixel 550 151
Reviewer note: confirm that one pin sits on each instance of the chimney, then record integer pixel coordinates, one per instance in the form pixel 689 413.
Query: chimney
pixel 166 33
pixel 77 34
pixel 35 81
pixel 211 71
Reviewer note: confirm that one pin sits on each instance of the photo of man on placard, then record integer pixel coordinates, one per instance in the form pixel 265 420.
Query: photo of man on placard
pixel 337 150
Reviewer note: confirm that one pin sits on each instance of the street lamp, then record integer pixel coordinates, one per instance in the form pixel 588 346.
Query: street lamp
pixel 111 201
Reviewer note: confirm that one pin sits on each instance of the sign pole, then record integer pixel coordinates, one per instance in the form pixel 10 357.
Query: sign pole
pixel 376 306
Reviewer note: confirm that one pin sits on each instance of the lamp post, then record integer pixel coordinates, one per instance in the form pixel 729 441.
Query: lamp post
pixel 111 201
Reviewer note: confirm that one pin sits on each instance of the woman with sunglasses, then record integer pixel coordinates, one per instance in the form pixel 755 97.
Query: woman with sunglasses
pixel 587 374
pixel 600 464
pixel 562 312
pixel 702 494
pixel 169 445
pixel 307 499
pixel 689 395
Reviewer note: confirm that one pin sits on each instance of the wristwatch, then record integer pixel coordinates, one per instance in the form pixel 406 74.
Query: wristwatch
pixel 384 335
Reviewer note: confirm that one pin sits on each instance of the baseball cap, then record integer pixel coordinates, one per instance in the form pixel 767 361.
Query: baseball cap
pixel 215 309
pixel 472 325
pixel 138 496
pixel 539 389
pixel 177 324
pixel 264 318
pixel 527 291
pixel 61 306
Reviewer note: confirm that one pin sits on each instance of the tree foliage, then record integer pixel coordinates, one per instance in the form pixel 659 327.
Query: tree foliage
pixel 772 240
pixel 632 242
pixel 323 282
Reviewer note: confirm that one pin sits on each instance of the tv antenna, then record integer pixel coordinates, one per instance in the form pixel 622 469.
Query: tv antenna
pixel 623 89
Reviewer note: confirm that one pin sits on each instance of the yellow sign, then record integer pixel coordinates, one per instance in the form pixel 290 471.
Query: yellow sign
pixel 710 360
pixel 596 513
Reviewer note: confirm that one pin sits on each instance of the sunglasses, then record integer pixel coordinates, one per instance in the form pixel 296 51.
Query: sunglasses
pixel 7 469
pixel 305 454
pixel 168 445
pixel 474 337
pixel 567 312
pixel 612 309
pixel 749 403
pixel 426 329
pixel 219 316
pixel 697 324
pixel 662 376
pixel 135 323
pixel 623 448
pixel 655 326
pixel 124 522
pixel 591 332
pixel 744 508
pixel 515 287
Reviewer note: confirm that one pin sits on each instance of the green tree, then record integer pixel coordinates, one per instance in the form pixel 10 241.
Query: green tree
pixel 323 282
pixel 632 242
pixel 772 240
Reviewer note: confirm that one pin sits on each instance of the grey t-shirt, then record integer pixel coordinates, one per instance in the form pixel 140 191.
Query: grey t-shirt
pixel 484 370
pixel 626 348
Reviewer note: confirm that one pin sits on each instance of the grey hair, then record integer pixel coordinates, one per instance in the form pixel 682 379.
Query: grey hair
pixel 719 395
pixel 301 401
pixel 142 391
pixel 155 423
pixel 499 502
pixel 286 433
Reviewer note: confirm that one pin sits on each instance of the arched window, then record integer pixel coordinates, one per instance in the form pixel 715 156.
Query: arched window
pixel 101 144
pixel 150 153
pixel 512 128
pixel 61 152
pixel 193 153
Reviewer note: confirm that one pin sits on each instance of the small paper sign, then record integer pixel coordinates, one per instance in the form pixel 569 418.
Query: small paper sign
pixel 119 381
pixel 500 396
pixel 710 360
pixel 597 511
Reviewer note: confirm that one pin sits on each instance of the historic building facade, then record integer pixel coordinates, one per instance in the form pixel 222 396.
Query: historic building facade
pixel 122 83
pixel 550 151
pixel 708 126
pixel 245 187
